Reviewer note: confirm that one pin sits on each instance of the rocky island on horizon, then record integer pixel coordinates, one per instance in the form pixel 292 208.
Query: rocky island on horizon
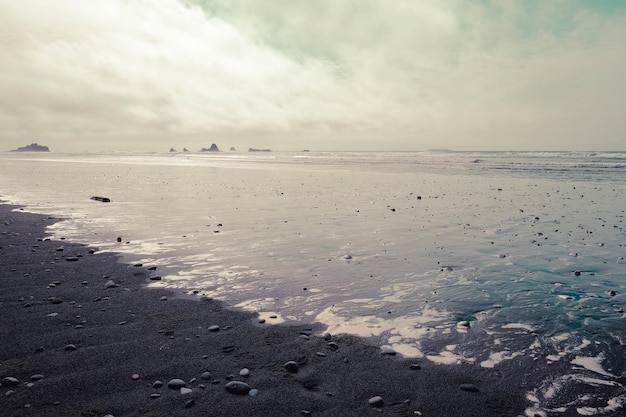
pixel 33 147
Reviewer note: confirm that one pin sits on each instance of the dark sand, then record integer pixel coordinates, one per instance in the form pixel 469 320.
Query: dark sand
pixel 129 330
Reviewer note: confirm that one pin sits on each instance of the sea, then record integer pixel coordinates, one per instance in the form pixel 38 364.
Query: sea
pixel 513 261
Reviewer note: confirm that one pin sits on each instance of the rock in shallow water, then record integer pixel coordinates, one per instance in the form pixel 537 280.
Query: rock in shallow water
pixel 238 388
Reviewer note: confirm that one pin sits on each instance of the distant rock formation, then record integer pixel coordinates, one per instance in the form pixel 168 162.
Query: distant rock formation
pixel 259 150
pixel 232 149
pixel 173 150
pixel 185 150
pixel 213 148
pixel 33 147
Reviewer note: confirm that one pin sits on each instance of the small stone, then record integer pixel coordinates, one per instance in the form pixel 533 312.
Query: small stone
pixel 238 388
pixel 469 387
pixel 163 298
pixel 214 328
pixel 70 347
pixel 415 366
pixel 333 345
pixel 155 395
pixel 110 284
pixel 71 259
pixel 9 382
pixel 206 376
pixel 245 372
pixel 291 366
pixel 388 351
pixel 36 377
pixel 376 401
pixel 135 377
pixel 185 391
pixel 176 383
pixel 463 323
pixel 157 384
pixel 327 336
pixel 156 278
pixel 55 300
pixel 253 392
pixel 320 354
pixel 190 403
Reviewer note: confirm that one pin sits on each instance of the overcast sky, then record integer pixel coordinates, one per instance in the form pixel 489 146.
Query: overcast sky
pixel 314 74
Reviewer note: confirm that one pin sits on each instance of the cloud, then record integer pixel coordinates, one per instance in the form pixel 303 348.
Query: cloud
pixel 398 74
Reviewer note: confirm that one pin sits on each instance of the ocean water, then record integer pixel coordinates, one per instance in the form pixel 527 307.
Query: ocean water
pixel 514 261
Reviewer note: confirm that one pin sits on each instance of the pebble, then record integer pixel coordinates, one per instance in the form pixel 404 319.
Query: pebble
pixel 10 381
pixel 214 328
pixel 245 372
pixel 70 347
pixel 176 383
pixel 190 403
pixel 238 388
pixel 135 377
pixel 415 366
pixel 71 259
pixel 163 298
pixel 469 387
pixel 253 392
pixel 206 376
pixel 291 366
pixel 463 323
pixel 333 345
pixel 388 351
pixel 157 384
pixel 376 401
pixel 184 391
pixel 36 377
pixel 155 395
pixel 110 284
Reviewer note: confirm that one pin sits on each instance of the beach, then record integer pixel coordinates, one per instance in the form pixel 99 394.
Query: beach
pixel 82 335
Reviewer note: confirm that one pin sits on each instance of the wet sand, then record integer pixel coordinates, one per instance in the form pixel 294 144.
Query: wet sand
pixel 95 349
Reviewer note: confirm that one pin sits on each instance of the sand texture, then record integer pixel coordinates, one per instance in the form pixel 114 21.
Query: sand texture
pixel 80 346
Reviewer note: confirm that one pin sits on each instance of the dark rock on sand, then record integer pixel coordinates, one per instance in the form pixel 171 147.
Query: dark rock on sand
pixel 101 199
pixel 291 366
pixel 176 383
pixel 213 148
pixel 238 388
pixel 469 387
pixel 10 382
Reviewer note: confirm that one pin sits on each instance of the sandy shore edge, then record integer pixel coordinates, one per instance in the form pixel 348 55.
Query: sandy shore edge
pixel 83 336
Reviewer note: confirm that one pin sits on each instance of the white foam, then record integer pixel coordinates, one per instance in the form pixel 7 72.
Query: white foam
pixel 519 326
pixel 497 357
pixel 593 364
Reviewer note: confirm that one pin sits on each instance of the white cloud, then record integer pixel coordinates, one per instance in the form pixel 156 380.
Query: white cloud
pixel 400 74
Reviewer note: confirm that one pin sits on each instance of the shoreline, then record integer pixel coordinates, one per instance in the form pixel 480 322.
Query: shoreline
pixel 79 345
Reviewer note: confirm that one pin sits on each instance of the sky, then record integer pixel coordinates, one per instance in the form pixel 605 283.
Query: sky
pixel 313 74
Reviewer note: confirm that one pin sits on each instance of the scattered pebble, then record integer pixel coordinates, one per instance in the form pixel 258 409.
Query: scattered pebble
pixel 238 388
pixel 291 366
pixel 157 384
pixel 135 377
pixel 206 376
pixel 469 387
pixel 214 328
pixel 376 401
pixel 253 392
pixel 110 284
pixel 245 372
pixel 70 347
pixel 155 395
pixel 176 383
pixel 10 381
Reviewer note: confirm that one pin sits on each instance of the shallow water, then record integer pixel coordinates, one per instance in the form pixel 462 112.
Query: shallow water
pixel 513 261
